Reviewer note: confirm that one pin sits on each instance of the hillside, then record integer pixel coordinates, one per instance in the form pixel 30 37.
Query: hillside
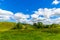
pixel 20 31
pixel 4 26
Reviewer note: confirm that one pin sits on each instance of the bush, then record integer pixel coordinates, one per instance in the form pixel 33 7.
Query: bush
pixel 52 30
pixel 38 25
pixel 18 26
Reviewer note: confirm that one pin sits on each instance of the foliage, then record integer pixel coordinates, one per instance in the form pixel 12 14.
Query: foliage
pixel 38 25
pixel 28 35
pixel 4 26
pixel 43 32
pixel 19 25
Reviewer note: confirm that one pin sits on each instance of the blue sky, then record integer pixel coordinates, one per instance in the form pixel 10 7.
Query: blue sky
pixel 30 11
pixel 26 6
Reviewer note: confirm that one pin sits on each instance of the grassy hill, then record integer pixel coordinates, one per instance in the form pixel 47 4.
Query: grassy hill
pixel 4 26
pixel 14 31
pixel 28 35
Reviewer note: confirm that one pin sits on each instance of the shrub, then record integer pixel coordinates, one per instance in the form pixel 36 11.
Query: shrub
pixel 38 25
pixel 18 26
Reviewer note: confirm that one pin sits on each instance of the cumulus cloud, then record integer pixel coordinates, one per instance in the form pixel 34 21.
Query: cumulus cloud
pixel 36 16
pixel 55 2
pixel 44 15
pixel 5 15
pixel 20 17
pixel 47 13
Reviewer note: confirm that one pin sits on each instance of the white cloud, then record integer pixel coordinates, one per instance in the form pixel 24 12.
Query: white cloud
pixel 4 12
pixel 57 20
pixel 33 18
pixel 21 17
pixel 36 17
pixel 5 15
pixel 55 2
pixel 47 13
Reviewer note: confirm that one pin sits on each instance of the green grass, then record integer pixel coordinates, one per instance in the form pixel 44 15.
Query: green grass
pixel 28 35
pixel 4 26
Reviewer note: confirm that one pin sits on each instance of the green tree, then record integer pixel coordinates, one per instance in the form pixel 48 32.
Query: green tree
pixel 18 26
pixel 55 25
pixel 47 26
pixel 38 25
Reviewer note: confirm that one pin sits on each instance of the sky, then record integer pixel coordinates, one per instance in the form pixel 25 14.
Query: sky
pixel 26 6
pixel 30 11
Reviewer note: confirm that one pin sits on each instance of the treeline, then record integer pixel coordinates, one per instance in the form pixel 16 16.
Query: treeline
pixel 22 26
pixel 38 25
pixel 52 28
pixel 41 25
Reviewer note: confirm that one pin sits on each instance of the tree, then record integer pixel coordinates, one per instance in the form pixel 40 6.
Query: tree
pixel 38 25
pixel 18 26
pixel 55 25
pixel 47 26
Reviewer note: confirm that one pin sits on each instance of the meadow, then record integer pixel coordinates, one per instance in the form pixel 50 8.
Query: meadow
pixel 11 31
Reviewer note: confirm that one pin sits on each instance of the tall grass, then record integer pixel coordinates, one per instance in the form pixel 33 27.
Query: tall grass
pixel 19 31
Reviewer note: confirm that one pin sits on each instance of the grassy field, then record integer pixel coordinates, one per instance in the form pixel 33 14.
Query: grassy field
pixel 7 32
pixel 28 35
